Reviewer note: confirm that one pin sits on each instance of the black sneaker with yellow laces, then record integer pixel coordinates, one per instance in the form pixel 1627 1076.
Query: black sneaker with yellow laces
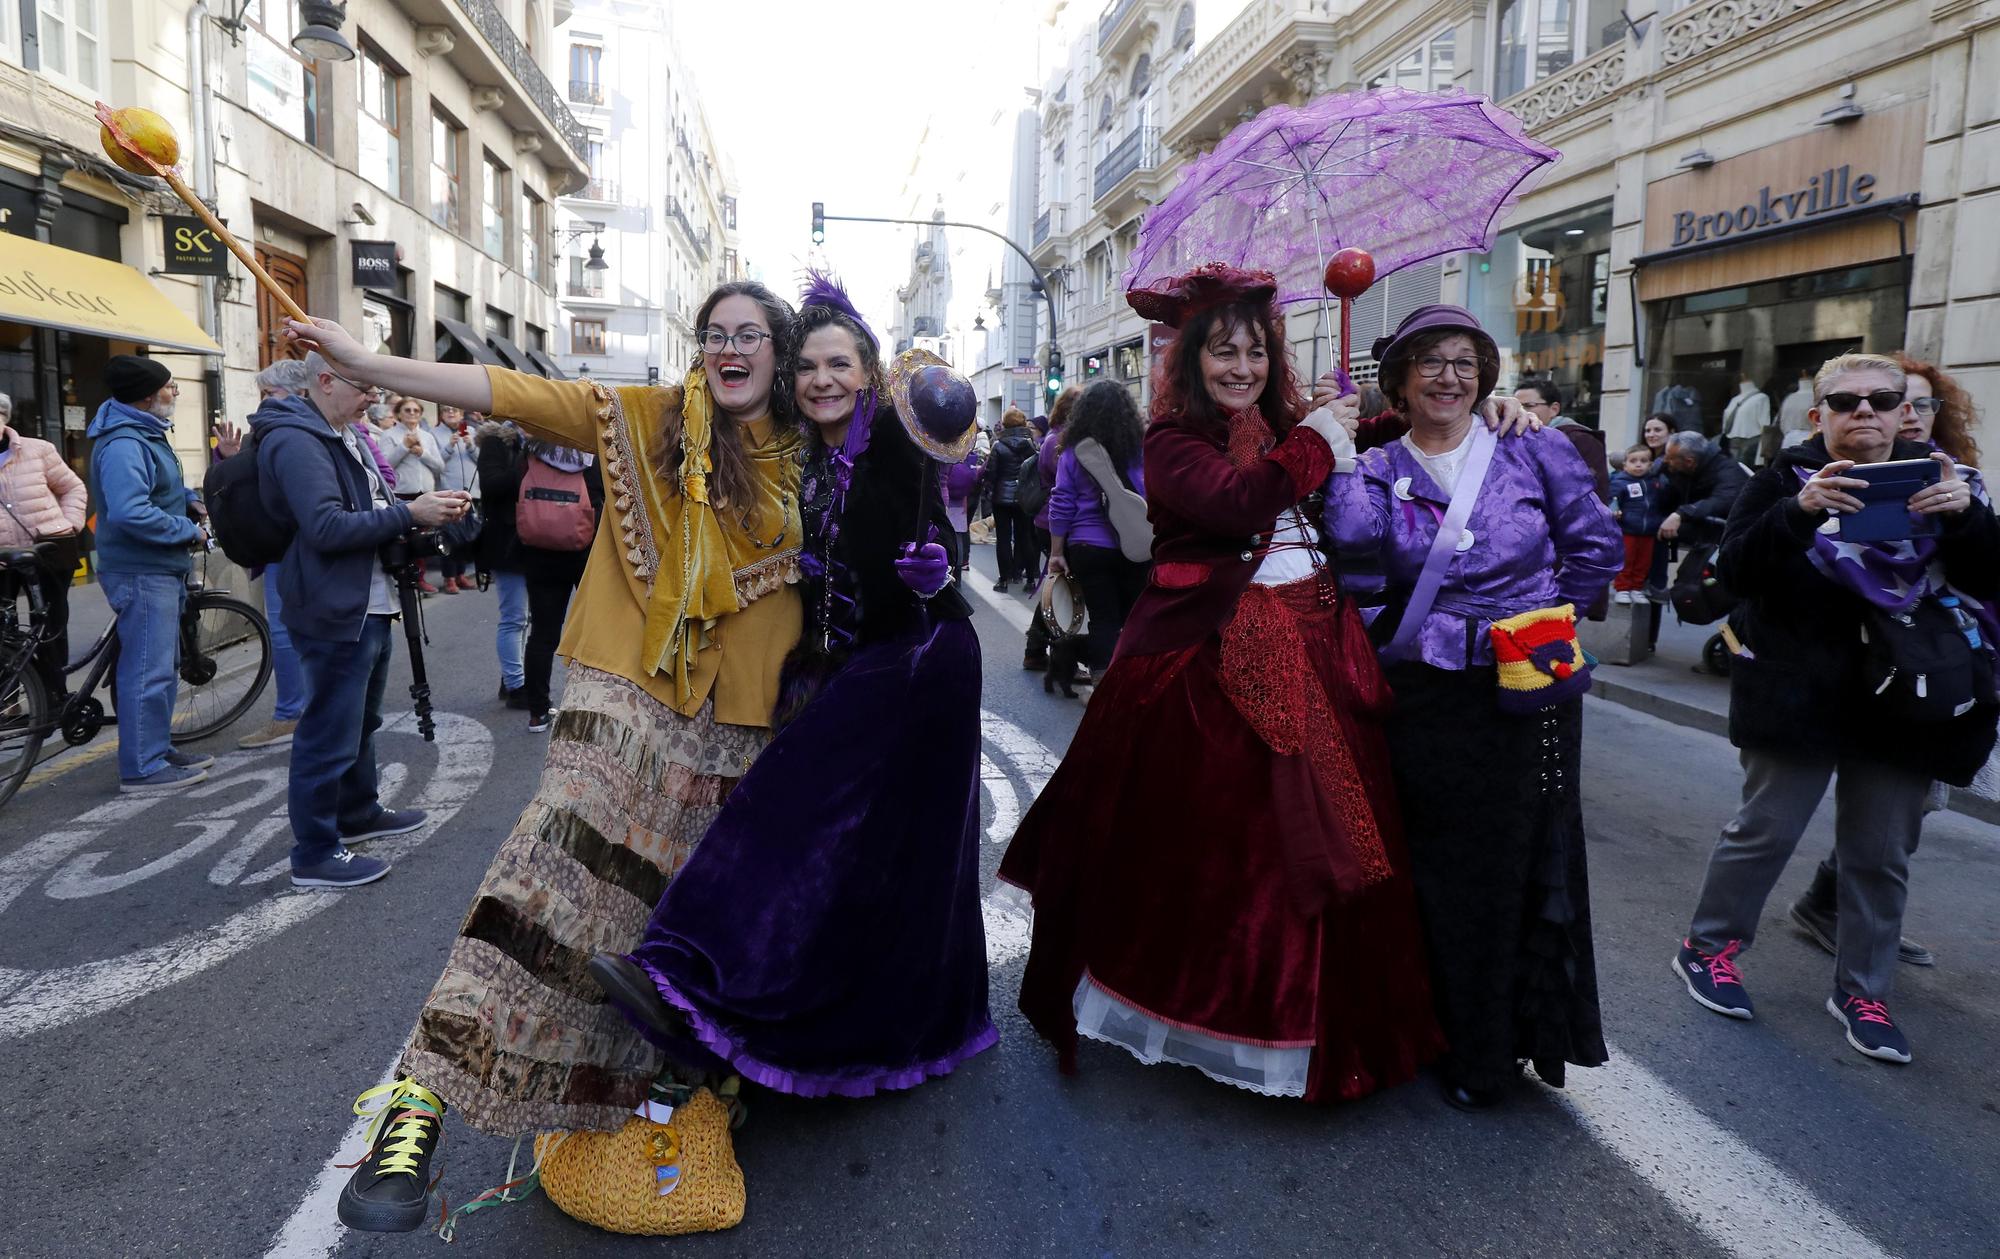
pixel 390 1190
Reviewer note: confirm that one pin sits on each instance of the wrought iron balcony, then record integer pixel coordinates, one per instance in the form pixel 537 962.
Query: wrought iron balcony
pixel 698 241
pixel 1041 228
pixel 1107 25
pixel 605 190
pixel 592 288
pixel 586 91
pixel 492 24
pixel 1139 150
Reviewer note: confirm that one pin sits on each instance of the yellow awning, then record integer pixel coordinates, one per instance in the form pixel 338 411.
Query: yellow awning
pixel 52 287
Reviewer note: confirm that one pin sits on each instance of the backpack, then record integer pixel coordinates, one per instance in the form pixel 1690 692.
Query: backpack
pixel 553 512
pixel 247 534
pixel 1698 595
pixel 1921 665
pixel 1030 495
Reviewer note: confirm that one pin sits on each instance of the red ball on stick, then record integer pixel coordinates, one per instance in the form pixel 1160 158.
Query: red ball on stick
pixel 1349 273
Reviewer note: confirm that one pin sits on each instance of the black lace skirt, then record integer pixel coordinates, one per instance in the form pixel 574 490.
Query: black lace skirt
pixel 1494 823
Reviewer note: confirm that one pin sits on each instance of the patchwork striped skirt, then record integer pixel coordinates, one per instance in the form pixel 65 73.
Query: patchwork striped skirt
pixel 515 1036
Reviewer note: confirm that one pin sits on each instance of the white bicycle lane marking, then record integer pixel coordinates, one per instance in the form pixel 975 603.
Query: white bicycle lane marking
pixel 34 1001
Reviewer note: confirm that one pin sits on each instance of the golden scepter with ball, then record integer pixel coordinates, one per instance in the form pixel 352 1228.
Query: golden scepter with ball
pixel 140 141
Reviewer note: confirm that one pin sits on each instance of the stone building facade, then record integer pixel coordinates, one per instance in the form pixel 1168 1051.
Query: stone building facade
pixel 1747 187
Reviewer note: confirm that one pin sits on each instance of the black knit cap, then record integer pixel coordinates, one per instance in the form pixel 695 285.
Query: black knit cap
pixel 133 379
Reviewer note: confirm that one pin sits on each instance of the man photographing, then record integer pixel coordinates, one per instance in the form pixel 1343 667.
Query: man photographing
pixel 338 601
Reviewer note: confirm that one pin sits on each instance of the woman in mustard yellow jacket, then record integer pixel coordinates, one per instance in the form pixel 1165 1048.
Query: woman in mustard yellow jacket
pixel 675 638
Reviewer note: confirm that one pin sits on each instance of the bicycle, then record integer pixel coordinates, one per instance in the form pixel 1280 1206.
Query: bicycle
pixel 224 665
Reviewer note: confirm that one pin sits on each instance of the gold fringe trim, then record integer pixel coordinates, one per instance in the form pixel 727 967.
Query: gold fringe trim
pixel 766 576
pixel 621 470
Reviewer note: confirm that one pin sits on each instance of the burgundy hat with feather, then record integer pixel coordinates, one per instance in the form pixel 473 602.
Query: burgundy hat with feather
pixel 1211 284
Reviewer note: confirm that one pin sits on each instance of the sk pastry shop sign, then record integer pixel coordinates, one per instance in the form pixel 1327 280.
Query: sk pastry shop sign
pixel 1791 208
pixel 375 264
pixel 192 249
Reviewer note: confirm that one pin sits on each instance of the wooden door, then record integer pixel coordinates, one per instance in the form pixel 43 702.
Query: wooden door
pixel 290 273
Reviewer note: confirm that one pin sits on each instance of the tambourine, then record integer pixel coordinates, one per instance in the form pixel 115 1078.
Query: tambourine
pixel 1061 609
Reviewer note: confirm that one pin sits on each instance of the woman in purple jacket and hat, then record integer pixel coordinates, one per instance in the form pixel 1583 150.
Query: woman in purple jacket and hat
pixel 1488 549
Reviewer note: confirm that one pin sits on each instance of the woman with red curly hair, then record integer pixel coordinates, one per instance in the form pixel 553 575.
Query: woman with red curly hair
pixel 1217 867
pixel 1938 410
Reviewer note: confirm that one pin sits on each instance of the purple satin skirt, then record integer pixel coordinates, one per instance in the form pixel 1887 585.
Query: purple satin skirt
pixel 826 937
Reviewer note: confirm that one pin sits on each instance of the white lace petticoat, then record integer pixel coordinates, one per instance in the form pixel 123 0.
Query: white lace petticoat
pixel 1258 1068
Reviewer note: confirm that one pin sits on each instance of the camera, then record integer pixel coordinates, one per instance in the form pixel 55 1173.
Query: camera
pixel 413 548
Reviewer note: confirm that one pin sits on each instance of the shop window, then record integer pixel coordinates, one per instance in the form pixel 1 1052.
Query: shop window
pixel 450 303
pixel 285 89
pixel 494 205
pixel 385 325
pixel 1426 68
pixel 447 171
pixel 1131 360
pixel 384 91
pixel 586 336
pixel 538 338
pixel 1539 38
pixel 499 323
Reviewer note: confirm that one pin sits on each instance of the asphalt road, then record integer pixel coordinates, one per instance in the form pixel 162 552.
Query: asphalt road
pixel 182 1034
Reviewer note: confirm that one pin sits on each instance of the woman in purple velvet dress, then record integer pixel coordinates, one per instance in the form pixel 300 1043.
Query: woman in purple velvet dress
pixel 826 937
pixel 1491 811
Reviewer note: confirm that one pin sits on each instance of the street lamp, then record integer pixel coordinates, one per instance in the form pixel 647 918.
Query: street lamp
pixel 319 36
pixel 577 231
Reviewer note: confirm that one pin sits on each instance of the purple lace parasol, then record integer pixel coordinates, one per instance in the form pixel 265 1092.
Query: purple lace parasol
pixel 1405 175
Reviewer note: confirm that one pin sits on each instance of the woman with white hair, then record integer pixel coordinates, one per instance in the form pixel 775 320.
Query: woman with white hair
pixel 41 500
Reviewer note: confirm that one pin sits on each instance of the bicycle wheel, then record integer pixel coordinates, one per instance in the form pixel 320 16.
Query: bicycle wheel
pixel 24 720
pixel 225 664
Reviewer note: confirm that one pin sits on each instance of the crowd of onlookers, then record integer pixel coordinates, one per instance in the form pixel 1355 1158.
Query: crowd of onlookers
pixel 347 472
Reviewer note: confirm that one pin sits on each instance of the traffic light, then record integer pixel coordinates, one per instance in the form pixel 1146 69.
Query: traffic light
pixel 1055 372
pixel 819 222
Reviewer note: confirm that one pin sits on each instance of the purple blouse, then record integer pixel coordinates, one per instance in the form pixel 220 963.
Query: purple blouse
pixel 1076 507
pixel 1540 537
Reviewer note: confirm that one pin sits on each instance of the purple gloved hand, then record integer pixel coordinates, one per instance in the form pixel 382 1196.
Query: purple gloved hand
pixel 924 569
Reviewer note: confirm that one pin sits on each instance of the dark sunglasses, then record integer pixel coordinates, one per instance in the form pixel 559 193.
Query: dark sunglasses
pixel 1881 400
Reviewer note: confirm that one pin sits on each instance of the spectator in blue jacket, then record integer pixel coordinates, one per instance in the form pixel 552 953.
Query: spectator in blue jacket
pixel 315 474
pixel 1635 501
pixel 144 536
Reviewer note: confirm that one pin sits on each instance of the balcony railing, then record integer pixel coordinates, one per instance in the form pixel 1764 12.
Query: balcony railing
pixel 1041 228
pixel 605 190
pixel 1139 150
pixel 584 288
pixel 1108 23
pixel 586 91
pixel 492 24
pixel 1595 78
pixel 1707 25
pixel 698 241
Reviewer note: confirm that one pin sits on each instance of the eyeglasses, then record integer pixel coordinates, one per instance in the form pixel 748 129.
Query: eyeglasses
pixel 1881 400
pixel 1927 406
pixel 746 341
pixel 367 391
pixel 1431 366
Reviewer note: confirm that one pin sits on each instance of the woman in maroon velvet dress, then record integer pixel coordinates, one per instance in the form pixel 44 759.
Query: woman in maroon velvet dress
pixel 1217 867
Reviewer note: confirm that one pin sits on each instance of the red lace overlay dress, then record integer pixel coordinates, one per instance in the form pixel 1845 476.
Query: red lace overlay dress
pixel 1217 867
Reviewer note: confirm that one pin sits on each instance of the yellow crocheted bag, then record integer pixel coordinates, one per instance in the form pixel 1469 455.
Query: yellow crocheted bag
pixel 649 1177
